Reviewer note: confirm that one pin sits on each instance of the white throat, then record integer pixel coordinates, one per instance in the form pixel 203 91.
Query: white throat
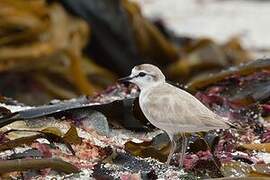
pixel 147 85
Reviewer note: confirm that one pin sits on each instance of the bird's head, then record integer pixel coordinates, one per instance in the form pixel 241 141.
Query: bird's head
pixel 145 75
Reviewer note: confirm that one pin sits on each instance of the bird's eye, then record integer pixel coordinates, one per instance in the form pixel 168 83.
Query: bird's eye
pixel 141 74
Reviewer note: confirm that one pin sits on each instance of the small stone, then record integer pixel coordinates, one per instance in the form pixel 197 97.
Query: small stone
pixel 92 119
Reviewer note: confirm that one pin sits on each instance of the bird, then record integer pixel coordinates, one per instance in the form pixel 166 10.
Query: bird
pixel 172 109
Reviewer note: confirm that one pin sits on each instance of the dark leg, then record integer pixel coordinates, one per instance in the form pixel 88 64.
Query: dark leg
pixel 172 149
pixel 183 149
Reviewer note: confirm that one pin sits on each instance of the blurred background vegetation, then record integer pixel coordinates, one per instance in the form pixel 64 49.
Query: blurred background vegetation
pixel 63 49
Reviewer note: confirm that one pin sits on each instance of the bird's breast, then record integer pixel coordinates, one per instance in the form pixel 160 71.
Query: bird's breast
pixel 152 108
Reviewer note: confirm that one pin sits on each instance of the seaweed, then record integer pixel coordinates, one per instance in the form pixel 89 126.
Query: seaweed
pixel 37 164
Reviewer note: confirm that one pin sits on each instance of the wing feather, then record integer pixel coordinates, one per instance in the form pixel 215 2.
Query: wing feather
pixel 174 110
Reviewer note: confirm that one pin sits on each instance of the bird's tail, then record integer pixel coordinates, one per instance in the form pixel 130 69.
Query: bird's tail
pixel 233 125
pixel 230 124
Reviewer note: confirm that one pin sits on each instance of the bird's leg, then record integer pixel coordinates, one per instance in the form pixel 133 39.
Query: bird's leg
pixel 183 149
pixel 172 148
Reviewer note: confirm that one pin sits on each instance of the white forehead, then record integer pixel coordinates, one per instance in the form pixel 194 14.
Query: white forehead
pixel 153 76
pixel 135 70
pixel 148 69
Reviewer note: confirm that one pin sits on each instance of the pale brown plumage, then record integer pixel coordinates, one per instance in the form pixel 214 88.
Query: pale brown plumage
pixel 170 108
pixel 174 110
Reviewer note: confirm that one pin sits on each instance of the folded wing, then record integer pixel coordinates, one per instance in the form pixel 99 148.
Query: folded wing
pixel 174 110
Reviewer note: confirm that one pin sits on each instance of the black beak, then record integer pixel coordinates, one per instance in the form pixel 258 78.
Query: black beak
pixel 125 79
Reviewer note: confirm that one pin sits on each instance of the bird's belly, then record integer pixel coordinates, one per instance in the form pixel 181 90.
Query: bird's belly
pixel 166 126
